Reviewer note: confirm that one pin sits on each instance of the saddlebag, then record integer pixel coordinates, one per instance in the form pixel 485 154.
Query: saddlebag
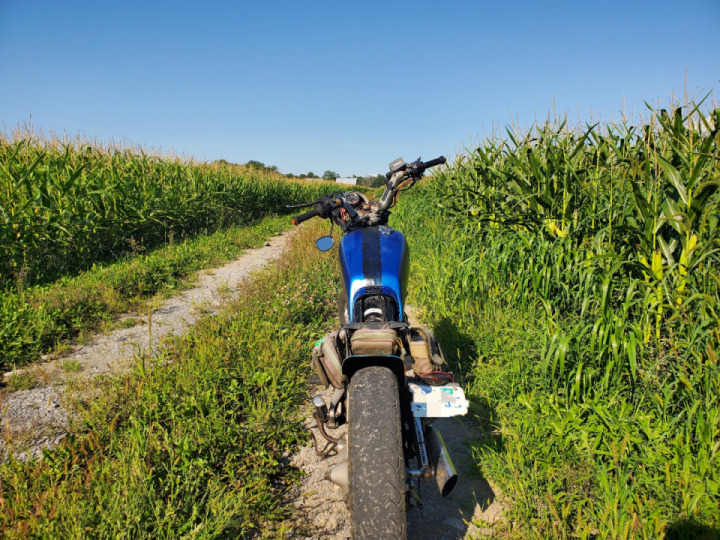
pixel 327 361
pixel 424 349
pixel 375 342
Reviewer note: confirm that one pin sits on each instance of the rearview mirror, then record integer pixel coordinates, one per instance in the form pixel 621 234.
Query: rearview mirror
pixel 324 243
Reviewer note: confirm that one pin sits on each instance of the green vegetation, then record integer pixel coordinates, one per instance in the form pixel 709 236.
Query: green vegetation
pixel 64 207
pixel 39 318
pixel 22 380
pixel 573 276
pixel 192 445
pixel 82 231
pixel 71 366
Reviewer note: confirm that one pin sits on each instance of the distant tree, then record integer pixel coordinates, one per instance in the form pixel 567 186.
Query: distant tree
pixel 255 164
pixel 310 175
pixel 380 180
pixel 372 181
pixel 330 175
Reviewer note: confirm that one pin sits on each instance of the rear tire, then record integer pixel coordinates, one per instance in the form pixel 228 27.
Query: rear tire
pixel 375 456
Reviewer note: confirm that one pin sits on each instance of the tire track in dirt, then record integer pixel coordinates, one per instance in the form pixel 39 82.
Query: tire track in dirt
pixel 321 512
pixel 31 420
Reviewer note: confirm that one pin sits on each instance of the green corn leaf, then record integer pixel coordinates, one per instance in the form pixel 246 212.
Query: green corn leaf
pixel 668 249
pixel 672 174
pixel 631 345
pixel 671 215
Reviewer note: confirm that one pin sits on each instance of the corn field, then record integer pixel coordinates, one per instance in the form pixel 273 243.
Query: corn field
pixel 617 226
pixel 65 206
pixel 595 252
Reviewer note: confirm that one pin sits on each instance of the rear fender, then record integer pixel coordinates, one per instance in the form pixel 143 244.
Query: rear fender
pixel 353 363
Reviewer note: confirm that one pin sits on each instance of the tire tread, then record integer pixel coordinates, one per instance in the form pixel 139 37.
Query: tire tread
pixel 376 461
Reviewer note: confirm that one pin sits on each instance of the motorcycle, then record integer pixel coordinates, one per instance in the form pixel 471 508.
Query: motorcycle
pixel 388 376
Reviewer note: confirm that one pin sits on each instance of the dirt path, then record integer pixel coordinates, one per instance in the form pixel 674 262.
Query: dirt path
pixel 321 509
pixel 31 420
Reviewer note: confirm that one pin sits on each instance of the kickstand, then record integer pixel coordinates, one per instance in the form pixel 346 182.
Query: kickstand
pixel 414 492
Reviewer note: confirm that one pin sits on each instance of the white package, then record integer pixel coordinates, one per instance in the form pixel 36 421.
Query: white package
pixel 437 401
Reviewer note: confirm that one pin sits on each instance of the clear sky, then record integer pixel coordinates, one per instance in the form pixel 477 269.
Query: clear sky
pixel 346 86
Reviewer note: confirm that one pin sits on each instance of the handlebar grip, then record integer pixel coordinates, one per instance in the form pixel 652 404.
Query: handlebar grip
pixel 297 220
pixel 434 162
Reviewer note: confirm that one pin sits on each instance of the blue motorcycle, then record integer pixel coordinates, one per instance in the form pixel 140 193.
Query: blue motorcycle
pixel 388 376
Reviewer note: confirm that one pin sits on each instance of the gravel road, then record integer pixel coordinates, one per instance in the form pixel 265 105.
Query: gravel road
pixel 31 420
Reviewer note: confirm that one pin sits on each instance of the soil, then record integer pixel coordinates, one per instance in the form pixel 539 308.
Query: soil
pixel 468 512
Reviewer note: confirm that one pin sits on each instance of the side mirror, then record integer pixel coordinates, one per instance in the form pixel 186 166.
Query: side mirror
pixel 324 243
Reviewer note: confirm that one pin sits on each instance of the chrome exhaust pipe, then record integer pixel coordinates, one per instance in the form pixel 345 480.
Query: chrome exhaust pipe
pixel 339 476
pixel 445 473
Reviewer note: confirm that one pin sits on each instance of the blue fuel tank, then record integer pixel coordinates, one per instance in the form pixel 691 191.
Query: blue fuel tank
pixel 375 260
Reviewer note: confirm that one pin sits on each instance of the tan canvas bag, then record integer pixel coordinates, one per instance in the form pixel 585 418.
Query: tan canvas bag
pixel 327 361
pixel 375 342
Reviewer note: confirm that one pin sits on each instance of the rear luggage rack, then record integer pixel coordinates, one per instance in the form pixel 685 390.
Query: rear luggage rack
pixel 377 325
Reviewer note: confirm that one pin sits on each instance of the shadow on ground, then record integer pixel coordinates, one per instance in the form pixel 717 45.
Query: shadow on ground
pixel 474 505
pixel 687 529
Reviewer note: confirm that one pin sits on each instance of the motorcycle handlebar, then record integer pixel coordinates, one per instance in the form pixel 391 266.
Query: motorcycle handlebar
pixel 412 171
pixel 417 168
pixel 434 162
pixel 297 220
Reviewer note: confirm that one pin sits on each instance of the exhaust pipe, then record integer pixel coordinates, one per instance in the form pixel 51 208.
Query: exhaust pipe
pixel 445 473
pixel 338 475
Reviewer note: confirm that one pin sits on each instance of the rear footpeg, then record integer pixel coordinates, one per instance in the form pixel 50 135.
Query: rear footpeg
pixel 445 473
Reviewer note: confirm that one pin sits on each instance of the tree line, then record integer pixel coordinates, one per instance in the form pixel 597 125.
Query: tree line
pixel 367 181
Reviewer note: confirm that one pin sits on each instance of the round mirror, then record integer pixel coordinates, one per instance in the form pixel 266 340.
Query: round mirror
pixel 324 243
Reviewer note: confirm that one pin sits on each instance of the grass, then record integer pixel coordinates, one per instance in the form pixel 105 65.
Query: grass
pixel 23 379
pixel 191 445
pixel 129 322
pixel 572 276
pixel 71 366
pixel 43 318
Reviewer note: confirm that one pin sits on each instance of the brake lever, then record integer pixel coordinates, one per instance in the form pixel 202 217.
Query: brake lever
pixel 321 199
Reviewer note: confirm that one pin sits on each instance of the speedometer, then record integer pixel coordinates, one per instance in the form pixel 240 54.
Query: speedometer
pixel 352 197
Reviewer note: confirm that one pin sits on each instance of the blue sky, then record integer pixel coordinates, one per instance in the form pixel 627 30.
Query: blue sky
pixel 346 86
